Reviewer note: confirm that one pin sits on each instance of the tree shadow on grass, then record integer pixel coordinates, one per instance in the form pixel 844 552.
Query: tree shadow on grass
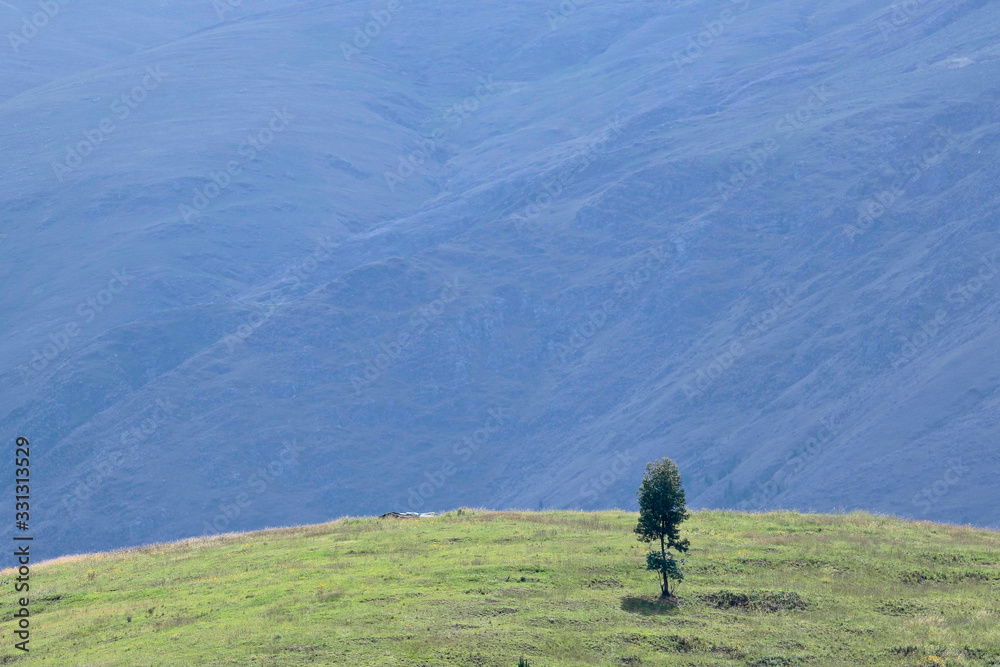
pixel 650 605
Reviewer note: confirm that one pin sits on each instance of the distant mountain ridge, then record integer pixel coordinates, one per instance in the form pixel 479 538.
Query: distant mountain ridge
pixel 771 258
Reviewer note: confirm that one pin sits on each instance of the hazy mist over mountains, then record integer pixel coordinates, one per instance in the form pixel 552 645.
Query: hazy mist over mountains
pixel 271 263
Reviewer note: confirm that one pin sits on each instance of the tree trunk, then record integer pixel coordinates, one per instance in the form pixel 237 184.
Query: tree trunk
pixel 665 588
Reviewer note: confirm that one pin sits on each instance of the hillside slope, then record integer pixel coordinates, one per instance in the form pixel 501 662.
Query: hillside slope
pixel 771 258
pixel 561 589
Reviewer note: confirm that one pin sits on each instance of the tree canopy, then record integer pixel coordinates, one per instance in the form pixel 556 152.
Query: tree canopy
pixel 662 508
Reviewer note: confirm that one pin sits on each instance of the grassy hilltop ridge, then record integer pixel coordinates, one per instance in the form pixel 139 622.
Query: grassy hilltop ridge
pixel 560 588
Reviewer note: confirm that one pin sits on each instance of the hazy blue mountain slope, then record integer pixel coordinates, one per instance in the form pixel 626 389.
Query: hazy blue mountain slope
pixel 602 245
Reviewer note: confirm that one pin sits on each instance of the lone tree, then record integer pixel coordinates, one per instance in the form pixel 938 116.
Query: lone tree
pixel 661 511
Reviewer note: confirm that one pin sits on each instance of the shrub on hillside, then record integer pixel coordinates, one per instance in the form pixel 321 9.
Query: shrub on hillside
pixel 766 601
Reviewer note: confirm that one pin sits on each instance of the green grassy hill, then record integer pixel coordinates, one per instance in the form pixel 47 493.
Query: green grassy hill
pixel 558 588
